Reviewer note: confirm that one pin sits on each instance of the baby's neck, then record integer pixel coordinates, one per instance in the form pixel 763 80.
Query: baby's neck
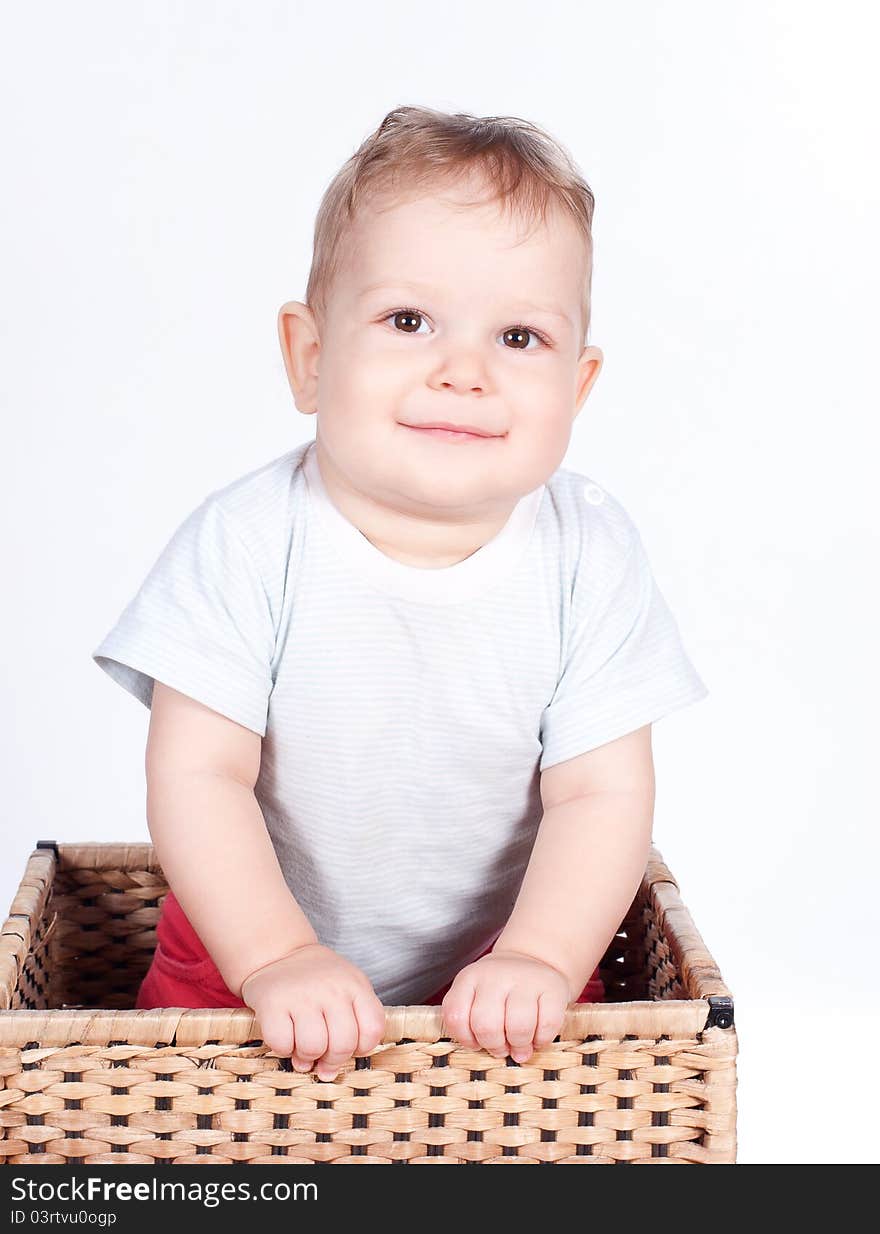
pixel 408 559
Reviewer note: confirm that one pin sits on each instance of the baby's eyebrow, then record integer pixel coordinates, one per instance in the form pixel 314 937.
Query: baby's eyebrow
pixel 549 310
pixel 419 288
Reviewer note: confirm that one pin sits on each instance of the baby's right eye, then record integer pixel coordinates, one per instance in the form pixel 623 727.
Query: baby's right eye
pixel 407 315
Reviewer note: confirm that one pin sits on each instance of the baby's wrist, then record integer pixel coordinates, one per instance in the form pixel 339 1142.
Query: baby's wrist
pixel 521 948
pixel 260 967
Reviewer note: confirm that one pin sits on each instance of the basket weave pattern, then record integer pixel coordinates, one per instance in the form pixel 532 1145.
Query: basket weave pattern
pixel 647 1077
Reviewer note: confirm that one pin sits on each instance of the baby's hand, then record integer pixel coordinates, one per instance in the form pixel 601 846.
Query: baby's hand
pixel 314 1004
pixel 507 1003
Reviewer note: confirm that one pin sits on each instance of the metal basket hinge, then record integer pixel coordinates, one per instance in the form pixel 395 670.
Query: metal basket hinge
pixel 720 1011
pixel 53 844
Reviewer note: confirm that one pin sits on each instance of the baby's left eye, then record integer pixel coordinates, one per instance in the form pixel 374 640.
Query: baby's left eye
pixel 518 332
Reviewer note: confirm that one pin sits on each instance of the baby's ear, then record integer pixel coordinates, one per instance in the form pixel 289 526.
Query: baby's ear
pixel 589 365
pixel 300 347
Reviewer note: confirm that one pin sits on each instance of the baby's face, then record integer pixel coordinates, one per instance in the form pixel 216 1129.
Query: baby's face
pixel 445 314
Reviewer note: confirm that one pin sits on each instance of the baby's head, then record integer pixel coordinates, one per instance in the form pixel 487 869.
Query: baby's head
pixel 450 282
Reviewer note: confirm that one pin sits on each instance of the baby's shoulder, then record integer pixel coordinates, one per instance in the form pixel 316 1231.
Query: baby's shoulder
pixel 262 509
pixel 262 499
pixel 589 515
pixel 251 496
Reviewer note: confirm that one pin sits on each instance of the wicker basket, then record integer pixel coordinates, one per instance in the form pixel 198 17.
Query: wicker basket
pixel 647 1077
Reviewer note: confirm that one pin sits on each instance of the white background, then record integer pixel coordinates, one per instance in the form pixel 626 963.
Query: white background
pixel 163 164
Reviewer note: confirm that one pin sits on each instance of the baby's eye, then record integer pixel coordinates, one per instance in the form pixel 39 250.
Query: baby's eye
pixel 517 333
pixel 410 319
pixel 409 316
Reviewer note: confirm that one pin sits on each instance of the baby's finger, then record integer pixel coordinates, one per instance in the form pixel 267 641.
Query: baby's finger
pixel 310 1038
pixel 370 1015
pixel 342 1037
pixel 520 1023
pixel 550 1017
pixel 277 1030
pixel 456 1007
pixel 487 1020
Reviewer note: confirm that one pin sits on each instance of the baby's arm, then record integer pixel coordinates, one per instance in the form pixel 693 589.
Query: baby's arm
pixel 585 867
pixel 213 845
pixel 588 858
pixel 211 838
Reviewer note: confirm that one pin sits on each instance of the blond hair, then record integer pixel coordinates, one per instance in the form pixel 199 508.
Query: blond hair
pixel 417 148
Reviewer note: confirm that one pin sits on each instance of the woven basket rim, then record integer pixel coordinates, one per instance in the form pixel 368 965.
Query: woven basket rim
pixel 235 1026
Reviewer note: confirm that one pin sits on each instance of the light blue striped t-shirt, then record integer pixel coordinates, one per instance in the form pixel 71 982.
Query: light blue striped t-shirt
pixel 406 712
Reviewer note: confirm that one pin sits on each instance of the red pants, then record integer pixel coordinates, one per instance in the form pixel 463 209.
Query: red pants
pixel 183 974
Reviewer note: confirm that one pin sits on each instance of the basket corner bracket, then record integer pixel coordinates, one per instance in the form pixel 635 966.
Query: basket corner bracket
pixel 720 1011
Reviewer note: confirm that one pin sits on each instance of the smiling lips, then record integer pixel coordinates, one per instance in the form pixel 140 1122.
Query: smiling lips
pixel 453 432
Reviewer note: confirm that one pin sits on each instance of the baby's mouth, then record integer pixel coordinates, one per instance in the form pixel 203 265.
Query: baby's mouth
pixel 451 433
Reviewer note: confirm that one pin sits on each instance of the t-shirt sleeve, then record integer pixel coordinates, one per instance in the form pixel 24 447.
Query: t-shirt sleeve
pixel 201 622
pixel 624 664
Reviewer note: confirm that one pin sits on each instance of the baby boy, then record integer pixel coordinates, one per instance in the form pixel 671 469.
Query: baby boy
pixel 402 678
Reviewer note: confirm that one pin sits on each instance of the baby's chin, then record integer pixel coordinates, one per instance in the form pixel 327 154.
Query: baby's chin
pixel 450 490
